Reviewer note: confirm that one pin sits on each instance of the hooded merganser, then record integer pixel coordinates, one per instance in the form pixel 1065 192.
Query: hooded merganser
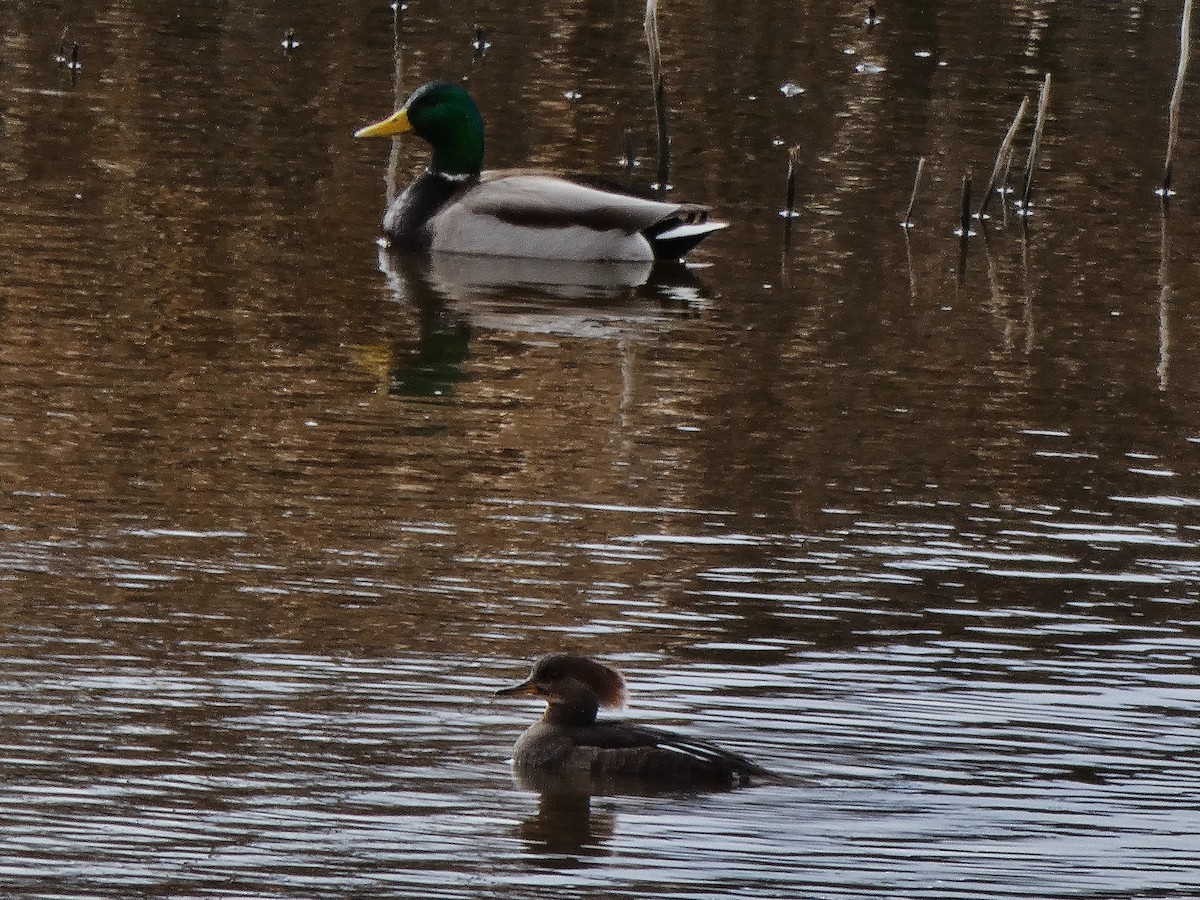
pixel 569 739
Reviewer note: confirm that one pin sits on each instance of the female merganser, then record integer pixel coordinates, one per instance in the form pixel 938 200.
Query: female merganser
pixel 569 739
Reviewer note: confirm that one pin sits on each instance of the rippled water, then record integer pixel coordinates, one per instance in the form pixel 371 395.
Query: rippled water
pixel 279 512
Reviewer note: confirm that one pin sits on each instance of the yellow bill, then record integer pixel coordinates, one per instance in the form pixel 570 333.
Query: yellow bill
pixel 393 124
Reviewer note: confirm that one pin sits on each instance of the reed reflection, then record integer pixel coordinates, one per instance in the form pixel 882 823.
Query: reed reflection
pixel 1164 303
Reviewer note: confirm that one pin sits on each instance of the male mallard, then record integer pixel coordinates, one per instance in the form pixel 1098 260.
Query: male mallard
pixel 458 208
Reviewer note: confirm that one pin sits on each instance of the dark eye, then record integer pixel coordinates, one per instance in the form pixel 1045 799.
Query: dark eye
pixel 550 673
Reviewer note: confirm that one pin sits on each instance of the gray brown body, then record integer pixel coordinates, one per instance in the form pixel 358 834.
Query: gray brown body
pixel 569 739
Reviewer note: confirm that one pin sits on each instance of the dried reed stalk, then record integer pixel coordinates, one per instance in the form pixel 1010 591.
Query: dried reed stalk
pixel 965 217
pixel 1031 163
pixel 1185 40
pixel 793 167
pixel 660 94
pixel 912 201
pixel 998 166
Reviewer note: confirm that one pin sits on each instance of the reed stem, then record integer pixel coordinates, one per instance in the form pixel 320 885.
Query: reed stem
pixel 912 201
pixel 1185 40
pixel 793 166
pixel 965 218
pixel 660 94
pixel 1035 144
pixel 628 150
pixel 998 166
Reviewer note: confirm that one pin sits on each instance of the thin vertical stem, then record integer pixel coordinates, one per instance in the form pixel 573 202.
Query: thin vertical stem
pixel 393 175
pixel 793 165
pixel 965 218
pixel 628 150
pixel 660 94
pixel 1004 188
pixel 998 166
pixel 1031 163
pixel 790 212
pixel 912 201
pixel 1185 40
pixel 964 233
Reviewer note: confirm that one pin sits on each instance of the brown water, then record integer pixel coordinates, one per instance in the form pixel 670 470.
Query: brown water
pixel 278 513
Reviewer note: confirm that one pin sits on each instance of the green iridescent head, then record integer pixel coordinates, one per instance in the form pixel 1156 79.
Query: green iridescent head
pixel 445 116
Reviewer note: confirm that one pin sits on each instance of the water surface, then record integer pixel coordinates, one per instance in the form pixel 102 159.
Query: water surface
pixel 279 512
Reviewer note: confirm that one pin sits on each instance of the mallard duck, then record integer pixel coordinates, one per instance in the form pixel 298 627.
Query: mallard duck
pixel 569 739
pixel 456 207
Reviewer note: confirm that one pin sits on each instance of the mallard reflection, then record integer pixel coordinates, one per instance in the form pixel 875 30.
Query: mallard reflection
pixel 453 296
